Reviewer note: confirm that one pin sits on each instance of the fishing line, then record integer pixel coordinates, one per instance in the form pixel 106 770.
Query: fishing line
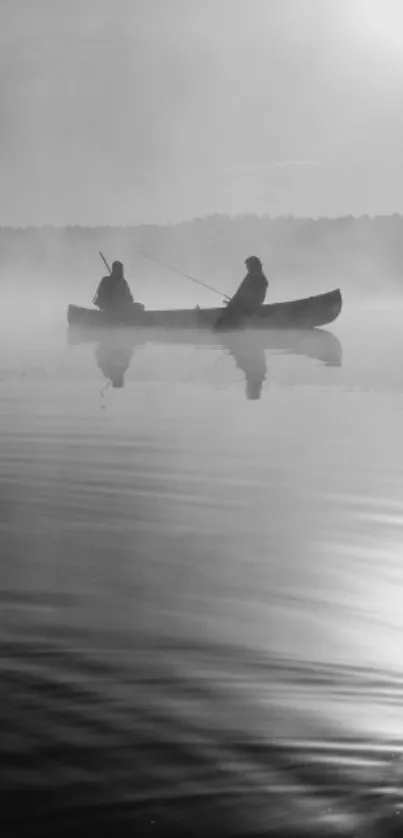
pixel 174 270
pixel 182 273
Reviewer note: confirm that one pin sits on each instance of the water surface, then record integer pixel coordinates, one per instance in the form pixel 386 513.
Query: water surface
pixel 201 583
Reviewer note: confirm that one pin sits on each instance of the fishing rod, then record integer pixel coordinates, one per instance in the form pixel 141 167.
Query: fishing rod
pixel 174 270
pixel 187 276
pixel 104 260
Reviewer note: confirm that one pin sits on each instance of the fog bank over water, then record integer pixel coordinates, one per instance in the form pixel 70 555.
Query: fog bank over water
pixel 364 256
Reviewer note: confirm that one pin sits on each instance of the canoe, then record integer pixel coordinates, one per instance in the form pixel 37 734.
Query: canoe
pixel 307 313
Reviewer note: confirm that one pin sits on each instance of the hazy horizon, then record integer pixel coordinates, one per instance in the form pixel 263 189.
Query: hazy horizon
pixel 195 219
pixel 363 257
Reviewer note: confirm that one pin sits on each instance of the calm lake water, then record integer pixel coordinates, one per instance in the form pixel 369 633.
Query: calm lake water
pixel 202 581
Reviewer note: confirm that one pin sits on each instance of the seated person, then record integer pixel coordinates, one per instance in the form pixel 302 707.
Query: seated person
pixel 249 296
pixel 113 291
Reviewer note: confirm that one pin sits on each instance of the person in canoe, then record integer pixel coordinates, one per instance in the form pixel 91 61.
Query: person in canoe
pixel 113 292
pixel 249 296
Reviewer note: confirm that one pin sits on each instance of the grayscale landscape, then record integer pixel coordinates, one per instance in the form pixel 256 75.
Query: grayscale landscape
pixel 201 527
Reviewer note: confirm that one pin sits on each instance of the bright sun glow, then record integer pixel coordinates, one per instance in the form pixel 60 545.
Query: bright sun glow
pixel 384 18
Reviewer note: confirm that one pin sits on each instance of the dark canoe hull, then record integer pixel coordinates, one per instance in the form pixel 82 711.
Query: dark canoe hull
pixel 307 313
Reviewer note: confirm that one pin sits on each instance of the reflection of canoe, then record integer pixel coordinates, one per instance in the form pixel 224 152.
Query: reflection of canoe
pixel 115 348
pixel 304 314
pixel 312 343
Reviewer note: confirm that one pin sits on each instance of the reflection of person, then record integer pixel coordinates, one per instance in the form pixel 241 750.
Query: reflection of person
pixel 113 291
pixel 249 296
pixel 249 357
pixel 113 357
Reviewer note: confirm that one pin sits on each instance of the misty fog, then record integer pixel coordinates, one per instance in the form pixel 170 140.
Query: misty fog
pixel 363 256
pixel 201 528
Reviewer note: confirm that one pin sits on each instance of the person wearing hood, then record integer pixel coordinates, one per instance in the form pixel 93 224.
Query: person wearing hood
pixel 113 291
pixel 249 296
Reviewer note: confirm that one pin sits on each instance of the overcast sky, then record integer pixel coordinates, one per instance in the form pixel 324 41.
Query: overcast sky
pixel 132 111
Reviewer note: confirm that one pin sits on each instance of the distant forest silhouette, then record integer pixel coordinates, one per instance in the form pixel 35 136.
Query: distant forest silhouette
pixel 360 254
